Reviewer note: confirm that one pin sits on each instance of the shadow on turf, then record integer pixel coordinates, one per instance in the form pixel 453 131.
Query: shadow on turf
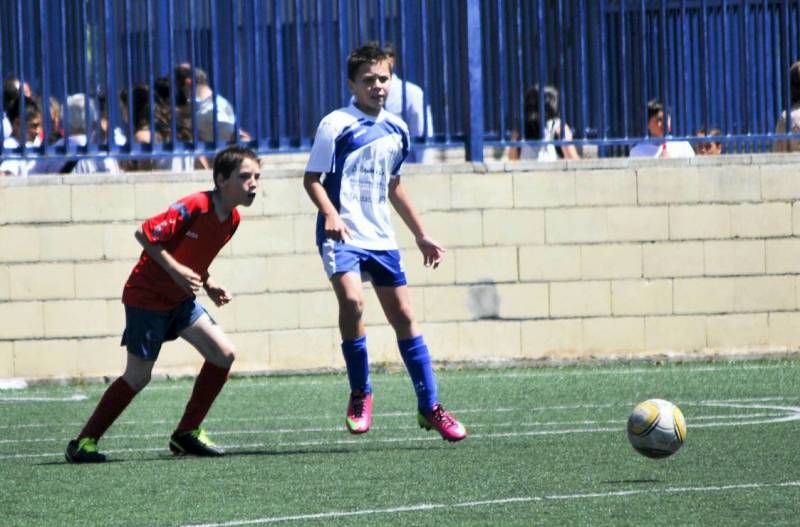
pixel 62 462
pixel 238 453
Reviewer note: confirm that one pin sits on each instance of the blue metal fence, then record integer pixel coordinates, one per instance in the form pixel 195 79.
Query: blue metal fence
pixel 281 63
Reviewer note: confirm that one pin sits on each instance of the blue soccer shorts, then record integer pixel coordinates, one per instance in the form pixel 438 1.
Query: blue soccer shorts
pixel 382 268
pixel 146 330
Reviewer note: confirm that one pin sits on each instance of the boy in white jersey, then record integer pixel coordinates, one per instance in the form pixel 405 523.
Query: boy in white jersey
pixel 353 173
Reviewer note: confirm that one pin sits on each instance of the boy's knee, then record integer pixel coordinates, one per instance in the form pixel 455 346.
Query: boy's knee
pixel 402 317
pixel 229 357
pixel 225 357
pixel 137 380
pixel 352 306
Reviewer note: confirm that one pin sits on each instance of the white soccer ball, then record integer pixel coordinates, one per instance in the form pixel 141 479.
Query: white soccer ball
pixel 656 428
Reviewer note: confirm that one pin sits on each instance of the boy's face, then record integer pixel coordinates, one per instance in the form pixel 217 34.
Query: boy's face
pixel 658 125
pixel 33 129
pixel 241 187
pixel 709 149
pixel 371 86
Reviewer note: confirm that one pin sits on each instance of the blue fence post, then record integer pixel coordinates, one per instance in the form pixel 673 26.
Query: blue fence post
pixel 163 62
pixel 474 136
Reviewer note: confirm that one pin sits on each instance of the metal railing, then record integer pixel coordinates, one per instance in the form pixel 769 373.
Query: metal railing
pixel 281 64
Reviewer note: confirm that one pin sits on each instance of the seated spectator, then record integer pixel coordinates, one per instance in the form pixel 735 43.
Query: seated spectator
pixel 419 120
pixel 204 100
pixel 659 124
pixel 82 119
pixel 162 132
pixel 118 135
pixel 56 114
pixel 553 129
pixel 781 127
pixel 708 148
pixel 32 137
pixel 11 91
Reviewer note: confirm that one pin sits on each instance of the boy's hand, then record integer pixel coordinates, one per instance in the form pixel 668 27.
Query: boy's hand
pixel 218 294
pixel 432 252
pixel 185 277
pixel 335 228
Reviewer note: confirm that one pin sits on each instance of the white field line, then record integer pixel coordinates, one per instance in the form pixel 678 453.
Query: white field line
pixel 36 399
pixel 577 406
pixel 770 417
pixel 421 507
pixel 337 417
pixel 544 372
pixel 793 414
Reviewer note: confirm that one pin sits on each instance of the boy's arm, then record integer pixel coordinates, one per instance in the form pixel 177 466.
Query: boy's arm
pixel 184 276
pixel 334 226
pixel 432 252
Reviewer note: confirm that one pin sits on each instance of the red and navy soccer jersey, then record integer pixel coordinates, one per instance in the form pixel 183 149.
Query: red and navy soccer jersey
pixel 191 232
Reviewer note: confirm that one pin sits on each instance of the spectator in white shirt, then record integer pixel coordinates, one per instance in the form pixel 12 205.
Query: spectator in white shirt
pixel 417 114
pixel 204 100
pixel 82 119
pixel 11 91
pixel 32 138
pixel 792 123
pixel 659 126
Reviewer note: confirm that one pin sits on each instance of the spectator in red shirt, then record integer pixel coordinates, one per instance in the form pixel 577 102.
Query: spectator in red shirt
pixel 160 304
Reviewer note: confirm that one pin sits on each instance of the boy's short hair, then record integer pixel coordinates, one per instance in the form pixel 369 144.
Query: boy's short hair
pixel 229 159
pixel 712 132
pixel 390 50
pixel 654 106
pixel 32 109
pixel 11 91
pixel 794 82
pixel 369 53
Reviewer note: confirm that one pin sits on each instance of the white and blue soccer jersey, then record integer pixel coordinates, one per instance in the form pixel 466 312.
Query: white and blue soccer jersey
pixel 358 154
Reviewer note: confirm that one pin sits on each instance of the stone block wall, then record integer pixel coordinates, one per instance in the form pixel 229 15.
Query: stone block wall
pixel 567 260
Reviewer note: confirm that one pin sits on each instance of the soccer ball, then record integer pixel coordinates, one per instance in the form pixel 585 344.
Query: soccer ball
pixel 656 428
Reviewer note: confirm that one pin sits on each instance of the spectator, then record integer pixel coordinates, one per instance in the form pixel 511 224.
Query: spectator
pixel 118 134
pixel 554 130
pixel 794 99
pixel 162 127
pixel 11 91
pixel 419 121
pixel 82 119
pixel 708 148
pixel 32 137
pixel 204 99
pixel 659 125
pixel 56 114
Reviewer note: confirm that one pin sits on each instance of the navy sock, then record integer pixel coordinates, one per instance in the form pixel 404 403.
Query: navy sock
pixel 355 357
pixel 418 363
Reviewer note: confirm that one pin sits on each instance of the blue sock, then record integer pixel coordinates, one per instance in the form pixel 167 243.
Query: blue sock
pixel 418 363
pixel 355 357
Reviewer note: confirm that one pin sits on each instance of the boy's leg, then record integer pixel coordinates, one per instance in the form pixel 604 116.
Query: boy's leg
pixel 212 343
pixel 397 307
pixel 116 398
pixel 350 296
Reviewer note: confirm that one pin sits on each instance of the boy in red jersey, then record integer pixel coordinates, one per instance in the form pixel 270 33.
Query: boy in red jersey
pixel 160 304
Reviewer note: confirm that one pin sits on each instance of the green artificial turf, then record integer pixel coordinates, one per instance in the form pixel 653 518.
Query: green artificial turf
pixel 547 446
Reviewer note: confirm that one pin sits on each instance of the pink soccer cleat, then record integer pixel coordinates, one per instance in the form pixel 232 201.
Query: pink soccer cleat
pixel 359 412
pixel 444 423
